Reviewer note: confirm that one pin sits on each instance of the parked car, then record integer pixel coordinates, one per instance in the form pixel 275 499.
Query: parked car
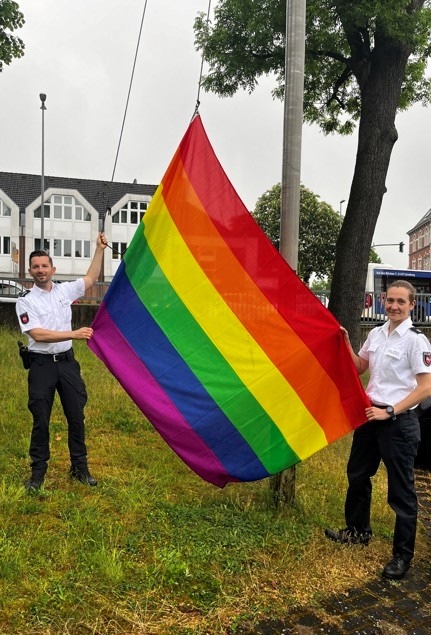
pixel 10 290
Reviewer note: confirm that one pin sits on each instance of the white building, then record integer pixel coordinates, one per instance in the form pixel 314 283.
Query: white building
pixel 75 210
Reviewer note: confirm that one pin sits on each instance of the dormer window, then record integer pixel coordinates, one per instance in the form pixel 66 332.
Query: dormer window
pixel 132 213
pixel 4 209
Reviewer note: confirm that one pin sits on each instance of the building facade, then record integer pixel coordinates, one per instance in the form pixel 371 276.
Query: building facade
pixel 419 244
pixel 74 212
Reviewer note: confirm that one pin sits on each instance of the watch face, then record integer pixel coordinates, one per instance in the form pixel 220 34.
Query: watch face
pixel 390 410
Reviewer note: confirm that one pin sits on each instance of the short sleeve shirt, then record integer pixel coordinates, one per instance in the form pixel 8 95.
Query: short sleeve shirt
pixel 394 361
pixel 49 310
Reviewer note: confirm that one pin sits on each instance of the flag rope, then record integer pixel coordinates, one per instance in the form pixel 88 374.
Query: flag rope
pixel 198 103
pixel 108 208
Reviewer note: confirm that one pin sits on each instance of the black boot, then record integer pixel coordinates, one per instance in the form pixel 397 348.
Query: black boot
pixel 35 482
pixel 82 474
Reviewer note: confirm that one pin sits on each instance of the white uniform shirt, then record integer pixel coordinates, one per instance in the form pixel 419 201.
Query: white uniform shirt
pixel 50 310
pixel 394 361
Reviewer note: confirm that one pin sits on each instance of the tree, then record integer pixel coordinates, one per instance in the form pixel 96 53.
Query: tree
pixel 365 60
pixel 319 226
pixel 11 18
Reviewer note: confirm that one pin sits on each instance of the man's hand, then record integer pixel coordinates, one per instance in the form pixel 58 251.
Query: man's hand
pixel 85 333
pixel 101 240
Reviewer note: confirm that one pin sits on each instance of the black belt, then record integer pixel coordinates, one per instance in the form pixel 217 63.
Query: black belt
pixel 56 357
pixel 376 405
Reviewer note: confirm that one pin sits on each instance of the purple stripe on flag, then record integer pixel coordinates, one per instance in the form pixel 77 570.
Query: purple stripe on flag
pixel 136 380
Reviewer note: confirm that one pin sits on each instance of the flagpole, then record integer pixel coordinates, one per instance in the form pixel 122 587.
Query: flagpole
pixel 283 484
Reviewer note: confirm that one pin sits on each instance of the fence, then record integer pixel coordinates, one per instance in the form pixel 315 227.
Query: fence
pixel 374 308
pixel 373 312
pixel 11 288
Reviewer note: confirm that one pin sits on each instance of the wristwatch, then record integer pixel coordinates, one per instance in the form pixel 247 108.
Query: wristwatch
pixel 391 413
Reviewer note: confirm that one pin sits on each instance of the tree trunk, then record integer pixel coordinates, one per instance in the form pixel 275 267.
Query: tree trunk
pixel 380 83
pixel 282 487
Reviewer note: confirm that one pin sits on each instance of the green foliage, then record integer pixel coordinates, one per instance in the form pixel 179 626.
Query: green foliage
pixel 321 285
pixel 267 213
pixel 11 18
pixel 319 226
pixel 247 40
pixel 374 257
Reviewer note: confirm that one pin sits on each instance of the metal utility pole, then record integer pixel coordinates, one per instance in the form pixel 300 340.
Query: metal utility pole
pixel 42 185
pixel 292 134
pixel 283 484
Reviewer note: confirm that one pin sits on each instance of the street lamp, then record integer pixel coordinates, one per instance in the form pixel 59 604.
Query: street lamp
pixel 341 206
pixel 42 184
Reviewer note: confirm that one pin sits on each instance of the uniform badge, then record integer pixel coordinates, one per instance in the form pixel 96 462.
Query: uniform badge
pixel 24 320
pixel 427 359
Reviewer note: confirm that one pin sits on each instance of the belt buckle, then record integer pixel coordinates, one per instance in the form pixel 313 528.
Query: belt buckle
pixel 56 357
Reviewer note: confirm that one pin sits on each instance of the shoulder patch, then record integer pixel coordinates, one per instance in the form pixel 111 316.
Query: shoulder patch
pixel 21 294
pixel 427 358
pixel 415 329
pixel 24 319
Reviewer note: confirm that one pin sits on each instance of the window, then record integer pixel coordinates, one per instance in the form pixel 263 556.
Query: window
pixel 118 250
pixel 64 208
pixel 38 244
pixel 132 213
pixel 81 213
pixel 5 245
pixel 47 210
pixel 63 248
pixel 82 249
pixel 67 248
pixel 4 209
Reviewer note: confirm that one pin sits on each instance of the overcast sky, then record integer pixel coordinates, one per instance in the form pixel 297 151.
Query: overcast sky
pixel 81 54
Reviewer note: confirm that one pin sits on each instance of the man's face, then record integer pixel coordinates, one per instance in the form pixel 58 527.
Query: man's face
pixel 41 270
pixel 398 304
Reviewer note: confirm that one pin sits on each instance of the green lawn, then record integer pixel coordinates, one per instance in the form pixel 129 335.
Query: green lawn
pixel 153 549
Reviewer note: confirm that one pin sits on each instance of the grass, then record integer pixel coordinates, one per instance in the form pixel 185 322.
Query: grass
pixel 154 550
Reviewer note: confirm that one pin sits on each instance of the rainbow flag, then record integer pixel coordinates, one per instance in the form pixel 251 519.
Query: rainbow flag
pixel 227 353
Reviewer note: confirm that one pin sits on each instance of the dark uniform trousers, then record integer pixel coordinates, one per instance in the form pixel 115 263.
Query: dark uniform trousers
pixel 396 443
pixel 45 377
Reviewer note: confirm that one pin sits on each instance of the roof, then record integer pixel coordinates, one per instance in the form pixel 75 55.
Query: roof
pixel 426 219
pixel 23 189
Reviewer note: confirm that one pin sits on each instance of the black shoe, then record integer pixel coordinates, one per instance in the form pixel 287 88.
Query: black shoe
pixel 348 536
pixel 34 483
pixel 83 475
pixel 396 568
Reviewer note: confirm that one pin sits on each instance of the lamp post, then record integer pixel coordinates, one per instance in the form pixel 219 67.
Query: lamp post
pixel 42 184
pixel 21 252
pixel 341 207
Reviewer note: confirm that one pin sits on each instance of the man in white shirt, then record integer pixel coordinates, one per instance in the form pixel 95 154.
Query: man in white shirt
pixel 399 359
pixel 45 316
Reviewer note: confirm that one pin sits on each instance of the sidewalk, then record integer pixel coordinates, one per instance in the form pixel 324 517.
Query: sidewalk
pixel 381 607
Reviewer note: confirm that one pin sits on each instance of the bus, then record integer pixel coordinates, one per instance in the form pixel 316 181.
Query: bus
pixel 379 278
